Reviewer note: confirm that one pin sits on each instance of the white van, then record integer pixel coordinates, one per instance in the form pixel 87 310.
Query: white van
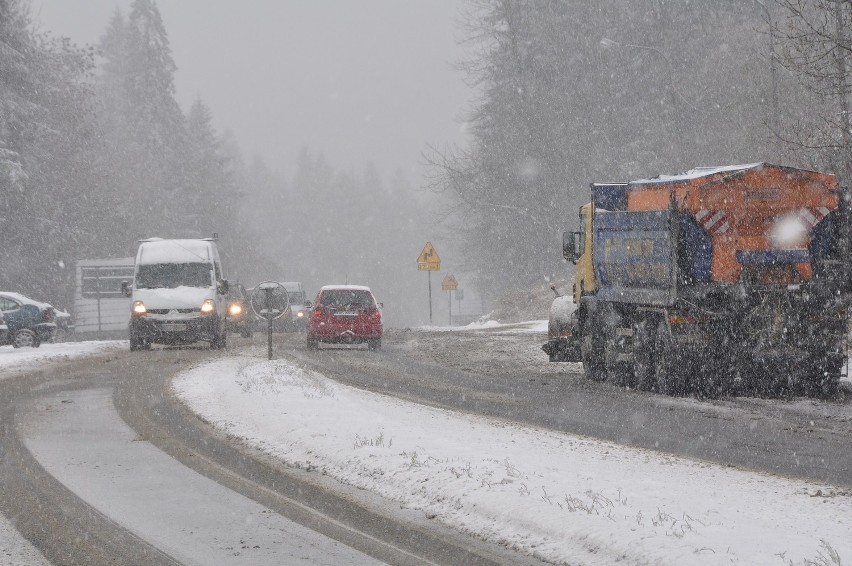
pixel 178 294
pixel 298 320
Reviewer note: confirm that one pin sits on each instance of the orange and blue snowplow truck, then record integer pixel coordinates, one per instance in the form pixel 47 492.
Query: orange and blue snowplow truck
pixel 718 280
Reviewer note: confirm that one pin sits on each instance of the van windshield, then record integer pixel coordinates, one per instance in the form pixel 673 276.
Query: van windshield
pixel 171 275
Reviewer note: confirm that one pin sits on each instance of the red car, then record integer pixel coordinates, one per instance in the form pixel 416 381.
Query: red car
pixel 345 314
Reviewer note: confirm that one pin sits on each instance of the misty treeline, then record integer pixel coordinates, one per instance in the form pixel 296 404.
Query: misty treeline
pixel 572 92
pixel 96 153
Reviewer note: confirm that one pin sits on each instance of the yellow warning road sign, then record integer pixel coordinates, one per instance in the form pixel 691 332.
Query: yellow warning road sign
pixel 428 260
pixel 449 283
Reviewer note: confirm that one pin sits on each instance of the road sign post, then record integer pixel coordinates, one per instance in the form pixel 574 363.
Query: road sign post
pixel 430 298
pixel 449 284
pixel 429 261
pixel 270 301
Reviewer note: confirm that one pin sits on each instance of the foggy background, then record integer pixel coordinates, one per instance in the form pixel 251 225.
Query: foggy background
pixel 360 87
pixel 360 81
pixel 326 142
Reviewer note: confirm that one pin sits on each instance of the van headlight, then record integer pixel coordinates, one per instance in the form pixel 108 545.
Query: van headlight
pixel 208 307
pixel 138 308
pixel 300 314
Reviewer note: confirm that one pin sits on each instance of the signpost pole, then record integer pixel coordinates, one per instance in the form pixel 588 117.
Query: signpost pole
pixel 268 324
pixel 270 300
pixel 430 297
pixel 429 261
pixel 449 284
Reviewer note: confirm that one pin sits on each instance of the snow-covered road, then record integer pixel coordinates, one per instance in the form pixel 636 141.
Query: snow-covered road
pixel 80 440
pixel 556 496
pixel 561 497
pixel 15 549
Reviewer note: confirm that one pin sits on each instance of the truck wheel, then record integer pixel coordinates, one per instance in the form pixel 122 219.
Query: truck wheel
pixel 764 376
pixel 643 354
pixel 591 350
pixel 824 378
pixel 667 374
pixel 618 373
pixel 717 370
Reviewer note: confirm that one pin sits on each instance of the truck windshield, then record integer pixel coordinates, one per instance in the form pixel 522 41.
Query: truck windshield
pixel 171 275
pixel 296 297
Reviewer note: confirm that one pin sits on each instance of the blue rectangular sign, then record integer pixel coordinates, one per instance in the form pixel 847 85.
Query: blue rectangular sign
pixel 635 257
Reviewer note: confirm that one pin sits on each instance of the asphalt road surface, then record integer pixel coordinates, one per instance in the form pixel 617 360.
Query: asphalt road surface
pixel 101 465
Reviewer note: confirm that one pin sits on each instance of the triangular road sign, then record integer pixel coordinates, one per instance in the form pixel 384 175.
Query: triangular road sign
pixel 428 260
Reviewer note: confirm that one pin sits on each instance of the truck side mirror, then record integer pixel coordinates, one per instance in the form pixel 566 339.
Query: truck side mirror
pixel 308 304
pixel 571 246
pixel 125 288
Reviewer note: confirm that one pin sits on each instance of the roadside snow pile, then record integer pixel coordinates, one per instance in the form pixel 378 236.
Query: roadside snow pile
pixel 16 358
pixel 561 497
pixel 528 327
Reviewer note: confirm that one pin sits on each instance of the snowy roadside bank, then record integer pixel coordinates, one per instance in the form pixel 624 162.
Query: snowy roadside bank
pixel 561 497
pixel 528 327
pixel 17 358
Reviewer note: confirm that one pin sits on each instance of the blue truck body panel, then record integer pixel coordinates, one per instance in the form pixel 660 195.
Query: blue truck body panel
pixel 635 257
pixel 772 257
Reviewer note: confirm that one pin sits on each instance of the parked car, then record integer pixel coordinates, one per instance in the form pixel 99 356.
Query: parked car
pixel 64 325
pixel 239 318
pixel 29 322
pixel 4 330
pixel 345 314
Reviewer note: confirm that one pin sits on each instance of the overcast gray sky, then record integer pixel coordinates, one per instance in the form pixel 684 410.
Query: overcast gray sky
pixel 362 81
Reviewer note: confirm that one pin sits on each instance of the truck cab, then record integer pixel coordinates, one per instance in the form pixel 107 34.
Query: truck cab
pixel 577 248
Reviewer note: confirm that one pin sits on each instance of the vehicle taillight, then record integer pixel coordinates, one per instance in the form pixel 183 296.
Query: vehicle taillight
pixel 682 319
pixel 319 311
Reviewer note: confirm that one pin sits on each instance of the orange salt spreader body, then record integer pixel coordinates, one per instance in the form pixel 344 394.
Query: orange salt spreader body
pixel 745 208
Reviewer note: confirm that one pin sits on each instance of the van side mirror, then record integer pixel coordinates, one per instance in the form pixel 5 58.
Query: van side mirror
pixel 125 288
pixel 224 287
pixel 571 249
